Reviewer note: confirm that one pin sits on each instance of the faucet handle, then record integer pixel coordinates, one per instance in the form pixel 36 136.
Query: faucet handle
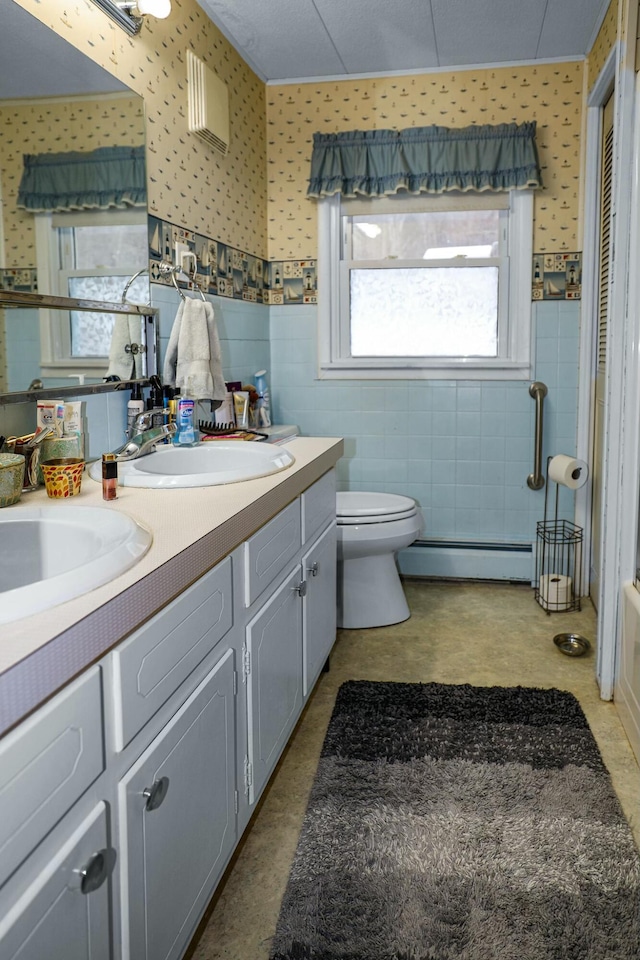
pixel 143 422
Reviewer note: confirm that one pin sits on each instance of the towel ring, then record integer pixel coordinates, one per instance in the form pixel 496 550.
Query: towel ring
pixel 132 280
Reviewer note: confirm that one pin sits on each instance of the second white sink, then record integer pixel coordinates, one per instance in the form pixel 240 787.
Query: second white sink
pixel 56 553
pixel 207 464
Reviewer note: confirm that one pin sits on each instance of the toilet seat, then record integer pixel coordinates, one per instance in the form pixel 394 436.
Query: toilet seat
pixel 356 507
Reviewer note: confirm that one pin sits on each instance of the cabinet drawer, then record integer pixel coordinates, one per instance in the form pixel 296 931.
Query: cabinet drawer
pixel 269 550
pixel 150 666
pixel 318 505
pixel 46 764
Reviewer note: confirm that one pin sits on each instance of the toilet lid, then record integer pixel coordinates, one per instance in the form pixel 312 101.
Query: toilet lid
pixel 354 506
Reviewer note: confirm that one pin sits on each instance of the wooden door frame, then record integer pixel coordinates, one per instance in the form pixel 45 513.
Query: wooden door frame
pixel 617 74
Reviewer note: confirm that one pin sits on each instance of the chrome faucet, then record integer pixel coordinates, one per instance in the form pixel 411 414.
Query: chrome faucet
pixel 143 443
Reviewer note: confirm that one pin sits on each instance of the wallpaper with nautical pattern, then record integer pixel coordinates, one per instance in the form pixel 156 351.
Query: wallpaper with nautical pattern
pixel 550 94
pixel 55 126
pixel 253 200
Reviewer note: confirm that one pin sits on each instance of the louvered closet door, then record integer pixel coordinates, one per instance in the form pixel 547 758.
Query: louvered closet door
pixel 600 372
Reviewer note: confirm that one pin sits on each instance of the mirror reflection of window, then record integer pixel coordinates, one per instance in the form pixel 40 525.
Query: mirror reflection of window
pixel 92 257
pixel 95 263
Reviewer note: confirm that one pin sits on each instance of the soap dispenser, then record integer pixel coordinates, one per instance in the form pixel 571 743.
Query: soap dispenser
pixel 186 434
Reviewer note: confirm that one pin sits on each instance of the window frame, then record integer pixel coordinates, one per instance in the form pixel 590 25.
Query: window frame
pixel 55 330
pixel 515 326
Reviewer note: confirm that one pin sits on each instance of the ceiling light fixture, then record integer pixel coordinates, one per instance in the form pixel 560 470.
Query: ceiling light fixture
pixel 129 14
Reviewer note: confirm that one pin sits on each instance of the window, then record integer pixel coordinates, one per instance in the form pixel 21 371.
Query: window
pixel 427 286
pixel 87 256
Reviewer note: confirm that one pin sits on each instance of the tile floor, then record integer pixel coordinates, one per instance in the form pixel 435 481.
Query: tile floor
pixel 481 633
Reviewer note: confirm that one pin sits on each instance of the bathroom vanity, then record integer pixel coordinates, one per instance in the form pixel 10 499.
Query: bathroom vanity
pixel 171 694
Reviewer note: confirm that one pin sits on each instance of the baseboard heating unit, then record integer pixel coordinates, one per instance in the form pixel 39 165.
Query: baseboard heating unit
pixel 468 560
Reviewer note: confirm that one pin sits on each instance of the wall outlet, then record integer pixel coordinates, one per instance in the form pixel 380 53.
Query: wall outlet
pixel 179 250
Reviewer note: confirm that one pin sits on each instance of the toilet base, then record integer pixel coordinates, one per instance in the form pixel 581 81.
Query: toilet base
pixel 370 593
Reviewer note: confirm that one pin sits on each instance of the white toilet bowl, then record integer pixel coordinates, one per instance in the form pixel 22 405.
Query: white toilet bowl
pixel 372 527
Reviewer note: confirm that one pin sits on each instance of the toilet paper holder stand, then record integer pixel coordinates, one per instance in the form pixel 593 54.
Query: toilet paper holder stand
pixel 558 583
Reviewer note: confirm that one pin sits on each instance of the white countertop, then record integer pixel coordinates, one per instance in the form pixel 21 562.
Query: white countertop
pixel 192 530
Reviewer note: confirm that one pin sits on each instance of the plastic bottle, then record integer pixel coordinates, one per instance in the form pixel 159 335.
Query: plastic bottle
pixel 264 402
pixel 135 406
pixel 186 435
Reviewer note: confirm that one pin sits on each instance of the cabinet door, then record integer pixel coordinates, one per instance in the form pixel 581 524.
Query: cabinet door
pixel 65 911
pixel 177 809
pixel 273 672
pixel 319 608
pixel 46 764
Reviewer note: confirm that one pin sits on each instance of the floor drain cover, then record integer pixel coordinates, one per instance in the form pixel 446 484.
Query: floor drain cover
pixel 572 644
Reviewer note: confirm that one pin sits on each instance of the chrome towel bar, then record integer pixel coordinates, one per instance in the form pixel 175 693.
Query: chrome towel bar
pixel 538 391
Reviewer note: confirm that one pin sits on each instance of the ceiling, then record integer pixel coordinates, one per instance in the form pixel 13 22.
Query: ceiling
pixel 36 62
pixel 301 39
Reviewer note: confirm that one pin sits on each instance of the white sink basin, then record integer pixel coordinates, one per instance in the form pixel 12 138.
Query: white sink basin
pixel 207 464
pixel 55 553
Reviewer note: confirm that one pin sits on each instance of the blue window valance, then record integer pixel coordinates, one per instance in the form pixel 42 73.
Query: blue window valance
pixel 433 159
pixel 103 179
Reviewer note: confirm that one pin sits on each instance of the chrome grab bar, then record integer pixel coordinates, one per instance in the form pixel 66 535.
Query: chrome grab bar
pixel 537 390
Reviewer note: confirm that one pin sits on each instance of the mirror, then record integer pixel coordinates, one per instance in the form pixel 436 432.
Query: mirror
pixel 54 99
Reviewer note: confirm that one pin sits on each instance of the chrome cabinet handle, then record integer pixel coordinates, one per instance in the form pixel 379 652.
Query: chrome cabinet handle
pixel 301 588
pixel 156 793
pixel 96 870
pixel 314 569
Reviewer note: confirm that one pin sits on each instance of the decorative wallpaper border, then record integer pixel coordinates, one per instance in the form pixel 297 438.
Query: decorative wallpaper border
pixel 556 276
pixel 228 272
pixel 19 279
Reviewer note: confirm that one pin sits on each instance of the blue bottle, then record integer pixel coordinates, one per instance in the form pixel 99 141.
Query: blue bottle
pixel 186 434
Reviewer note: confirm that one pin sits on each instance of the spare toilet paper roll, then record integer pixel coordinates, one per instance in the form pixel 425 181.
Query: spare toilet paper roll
pixel 555 591
pixel 568 471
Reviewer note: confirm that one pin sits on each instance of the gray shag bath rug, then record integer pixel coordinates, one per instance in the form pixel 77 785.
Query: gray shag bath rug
pixel 460 823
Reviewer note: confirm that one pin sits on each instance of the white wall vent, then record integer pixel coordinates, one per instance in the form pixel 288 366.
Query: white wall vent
pixel 208 104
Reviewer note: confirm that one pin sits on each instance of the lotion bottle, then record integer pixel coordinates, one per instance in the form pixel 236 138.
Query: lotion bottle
pixel 135 406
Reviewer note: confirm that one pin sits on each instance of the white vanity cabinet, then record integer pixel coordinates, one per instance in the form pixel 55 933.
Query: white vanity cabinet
pixel 122 799
pixel 177 820
pixel 289 636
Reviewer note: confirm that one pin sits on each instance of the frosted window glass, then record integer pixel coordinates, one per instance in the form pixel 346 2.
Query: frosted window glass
pixel 91 332
pixel 436 312
pixel 110 246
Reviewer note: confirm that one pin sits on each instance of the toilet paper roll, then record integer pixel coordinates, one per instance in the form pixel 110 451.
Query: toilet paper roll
pixel 568 471
pixel 555 591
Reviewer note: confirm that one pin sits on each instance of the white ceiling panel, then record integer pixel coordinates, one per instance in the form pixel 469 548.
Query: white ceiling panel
pixel 375 36
pixel 568 23
pixel 487 30
pixel 281 39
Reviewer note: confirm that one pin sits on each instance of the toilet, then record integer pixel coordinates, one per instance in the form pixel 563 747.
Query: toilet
pixel 372 527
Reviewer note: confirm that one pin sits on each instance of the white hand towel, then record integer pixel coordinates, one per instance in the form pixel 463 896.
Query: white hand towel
pixel 219 387
pixel 171 356
pixel 193 354
pixel 123 363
